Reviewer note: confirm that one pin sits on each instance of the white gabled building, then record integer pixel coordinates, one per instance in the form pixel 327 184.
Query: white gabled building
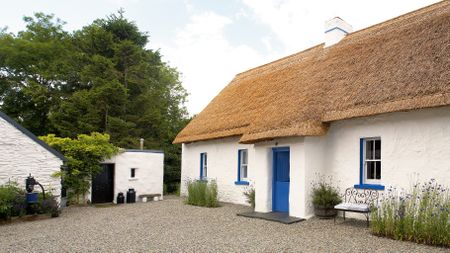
pixel 370 108
pixel 138 169
pixel 22 154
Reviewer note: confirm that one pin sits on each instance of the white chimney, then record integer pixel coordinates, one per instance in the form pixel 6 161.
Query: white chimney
pixel 335 30
pixel 141 142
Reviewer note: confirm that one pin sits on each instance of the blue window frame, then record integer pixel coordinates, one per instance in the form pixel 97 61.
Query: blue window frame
pixel 203 165
pixel 242 174
pixel 370 169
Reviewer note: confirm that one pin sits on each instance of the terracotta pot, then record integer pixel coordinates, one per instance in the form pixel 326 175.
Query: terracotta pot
pixel 325 212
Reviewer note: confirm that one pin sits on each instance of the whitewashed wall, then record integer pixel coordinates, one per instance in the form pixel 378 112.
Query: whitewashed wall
pixel 21 156
pixel 149 172
pixel 222 166
pixel 415 145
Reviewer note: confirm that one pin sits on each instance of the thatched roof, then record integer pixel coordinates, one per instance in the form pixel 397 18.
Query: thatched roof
pixel 401 64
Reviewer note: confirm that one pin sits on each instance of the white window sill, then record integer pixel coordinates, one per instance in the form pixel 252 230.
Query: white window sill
pixel 133 179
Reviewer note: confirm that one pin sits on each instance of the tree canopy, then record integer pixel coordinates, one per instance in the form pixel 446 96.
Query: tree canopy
pixel 101 78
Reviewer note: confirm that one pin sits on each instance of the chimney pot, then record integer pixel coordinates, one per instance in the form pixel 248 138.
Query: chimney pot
pixel 141 142
pixel 335 30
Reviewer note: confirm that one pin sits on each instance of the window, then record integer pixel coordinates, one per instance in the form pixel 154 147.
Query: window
pixel 203 165
pixel 372 160
pixel 370 163
pixel 133 173
pixel 242 167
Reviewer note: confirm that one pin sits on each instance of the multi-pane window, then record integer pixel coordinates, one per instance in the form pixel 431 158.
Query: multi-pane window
pixel 243 164
pixel 203 165
pixel 372 160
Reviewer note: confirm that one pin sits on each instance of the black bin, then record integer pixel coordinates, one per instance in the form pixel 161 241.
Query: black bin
pixel 120 198
pixel 131 196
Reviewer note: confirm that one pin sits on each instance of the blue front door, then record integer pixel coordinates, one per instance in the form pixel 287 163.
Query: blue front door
pixel 281 179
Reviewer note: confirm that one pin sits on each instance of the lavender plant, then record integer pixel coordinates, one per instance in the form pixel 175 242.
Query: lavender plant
pixel 421 215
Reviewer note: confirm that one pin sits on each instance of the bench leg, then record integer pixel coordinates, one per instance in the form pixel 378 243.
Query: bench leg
pixel 367 217
pixel 344 215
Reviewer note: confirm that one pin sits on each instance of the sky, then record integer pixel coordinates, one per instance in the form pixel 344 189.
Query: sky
pixel 210 41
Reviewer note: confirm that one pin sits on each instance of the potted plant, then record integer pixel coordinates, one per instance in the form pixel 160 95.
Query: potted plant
pixel 324 197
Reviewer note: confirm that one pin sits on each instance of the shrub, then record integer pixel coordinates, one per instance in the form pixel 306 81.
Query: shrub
pixel 177 189
pixel 165 189
pixel 172 188
pixel 421 215
pixel 249 194
pixel 12 200
pixel 202 193
pixel 325 195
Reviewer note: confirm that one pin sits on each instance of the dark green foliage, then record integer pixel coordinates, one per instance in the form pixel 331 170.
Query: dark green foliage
pixel 421 215
pixel 325 195
pixel 202 193
pixel 101 78
pixel 12 201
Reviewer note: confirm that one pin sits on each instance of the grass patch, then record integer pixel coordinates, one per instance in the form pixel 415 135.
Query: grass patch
pixel 421 215
pixel 202 193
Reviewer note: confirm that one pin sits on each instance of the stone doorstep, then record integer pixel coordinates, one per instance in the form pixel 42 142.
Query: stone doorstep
pixel 272 216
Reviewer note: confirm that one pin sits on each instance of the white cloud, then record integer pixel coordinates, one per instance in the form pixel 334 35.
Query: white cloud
pixel 300 24
pixel 206 58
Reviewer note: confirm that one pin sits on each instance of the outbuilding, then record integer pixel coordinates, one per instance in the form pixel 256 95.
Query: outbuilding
pixel 22 154
pixel 137 169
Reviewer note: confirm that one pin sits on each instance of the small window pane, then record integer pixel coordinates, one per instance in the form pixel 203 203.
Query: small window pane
pixel 369 149
pixel 244 156
pixel 370 170
pixel 378 169
pixel 205 159
pixel 377 149
pixel 244 171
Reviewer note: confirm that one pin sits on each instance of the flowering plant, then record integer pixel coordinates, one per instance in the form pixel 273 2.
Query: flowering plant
pixel 421 215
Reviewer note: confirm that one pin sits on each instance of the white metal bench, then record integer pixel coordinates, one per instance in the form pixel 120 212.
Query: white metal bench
pixel 357 201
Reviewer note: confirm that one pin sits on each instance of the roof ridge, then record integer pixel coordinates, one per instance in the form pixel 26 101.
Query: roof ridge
pixel 402 16
pixel 389 21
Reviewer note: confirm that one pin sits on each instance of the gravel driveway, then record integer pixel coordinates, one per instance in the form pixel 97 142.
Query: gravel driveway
pixel 171 226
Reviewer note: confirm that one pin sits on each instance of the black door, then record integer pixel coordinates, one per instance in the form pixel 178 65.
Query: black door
pixel 103 185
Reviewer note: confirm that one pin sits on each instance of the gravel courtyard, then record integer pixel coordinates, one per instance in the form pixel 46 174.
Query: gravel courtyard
pixel 171 226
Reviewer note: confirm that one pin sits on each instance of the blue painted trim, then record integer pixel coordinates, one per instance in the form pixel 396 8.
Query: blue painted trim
pixel 274 151
pixel 361 161
pixel 337 28
pixel 239 166
pixel 241 183
pixel 369 186
pixel 201 165
pixel 278 149
pixel 32 136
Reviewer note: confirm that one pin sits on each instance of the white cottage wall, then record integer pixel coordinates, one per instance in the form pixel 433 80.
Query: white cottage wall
pixel 415 145
pixel 21 156
pixel 149 172
pixel 222 158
